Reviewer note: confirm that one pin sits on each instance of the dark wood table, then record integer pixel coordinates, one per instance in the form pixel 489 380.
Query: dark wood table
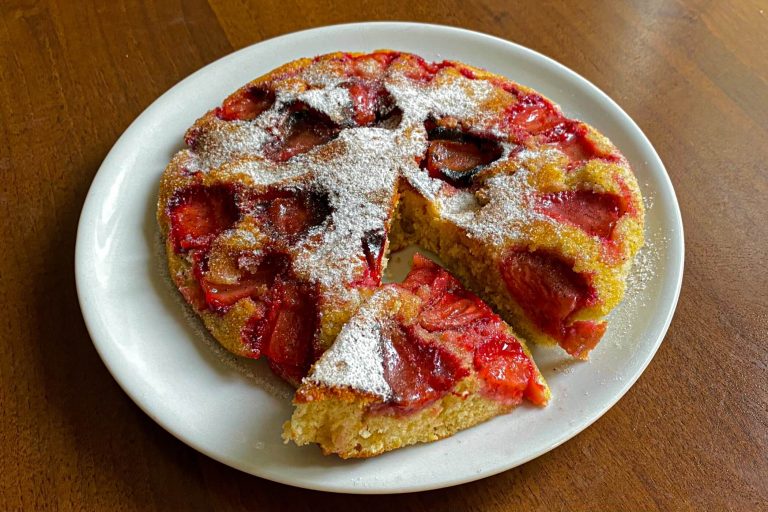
pixel 691 434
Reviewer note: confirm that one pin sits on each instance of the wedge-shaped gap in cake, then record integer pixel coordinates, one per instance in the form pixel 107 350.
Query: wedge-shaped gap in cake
pixel 373 244
pixel 456 156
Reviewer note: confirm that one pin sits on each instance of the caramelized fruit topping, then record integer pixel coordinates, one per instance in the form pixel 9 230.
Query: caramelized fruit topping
pixel 246 105
pixel 594 212
pixel 417 372
pixel 304 129
pixel 198 214
pixel 283 329
pixel 456 157
pixel 254 282
pixel 550 292
pixel 533 114
pixel 373 104
pixel 289 214
pixel 507 371
pixel 570 137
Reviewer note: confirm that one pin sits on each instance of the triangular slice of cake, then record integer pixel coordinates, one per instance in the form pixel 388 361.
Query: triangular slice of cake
pixel 419 361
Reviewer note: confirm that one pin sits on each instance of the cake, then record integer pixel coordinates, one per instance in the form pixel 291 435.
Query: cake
pixel 419 361
pixel 278 215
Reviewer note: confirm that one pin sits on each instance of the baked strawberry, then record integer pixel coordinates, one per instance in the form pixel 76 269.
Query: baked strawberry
pixel 200 213
pixel 417 372
pixel 221 297
pixel 507 370
pixel 284 332
pixel 373 105
pixel 289 215
pixel 594 212
pixel 549 291
pixel 454 312
pixel 255 282
pixel 570 137
pixel 246 105
pixel 532 114
pixel 582 336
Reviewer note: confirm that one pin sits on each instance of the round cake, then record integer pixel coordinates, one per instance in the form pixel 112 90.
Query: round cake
pixel 279 214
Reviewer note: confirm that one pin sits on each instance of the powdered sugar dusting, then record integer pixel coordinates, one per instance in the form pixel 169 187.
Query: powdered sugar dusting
pixel 359 170
pixel 457 97
pixel 360 179
pixel 334 102
pixel 640 278
pixel 507 208
pixel 356 359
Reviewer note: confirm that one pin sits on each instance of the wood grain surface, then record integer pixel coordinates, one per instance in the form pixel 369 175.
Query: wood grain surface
pixel 692 434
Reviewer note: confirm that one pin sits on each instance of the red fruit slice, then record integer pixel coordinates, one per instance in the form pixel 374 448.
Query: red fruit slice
pixel 594 212
pixel 582 336
pixel 423 71
pixel 533 114
pixel 454 312
pixel 247 105
pixel 290 215
pixel 221 297
pixel 570 137
pixel 200 213
pixel 306 128
pixel 285 334
pixel 418 373
pixel 456 157
pixel 366 97
pixel 548 290
pixel 451 159
pixel 423 356
pixel 254 284
pixel 427 280
pixel 505 368
pixel 372 103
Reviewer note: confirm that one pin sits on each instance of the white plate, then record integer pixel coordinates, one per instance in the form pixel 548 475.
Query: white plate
pixel 233 410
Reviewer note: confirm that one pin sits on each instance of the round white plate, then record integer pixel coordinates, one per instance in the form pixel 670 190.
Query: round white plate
pixel 232 410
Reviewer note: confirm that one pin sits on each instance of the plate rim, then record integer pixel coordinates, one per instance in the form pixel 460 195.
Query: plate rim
pixel 90 206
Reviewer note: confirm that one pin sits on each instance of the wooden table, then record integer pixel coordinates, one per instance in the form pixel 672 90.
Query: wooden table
pixel 691 434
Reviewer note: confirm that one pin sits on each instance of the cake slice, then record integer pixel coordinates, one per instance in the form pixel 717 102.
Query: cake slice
pixel 418 362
